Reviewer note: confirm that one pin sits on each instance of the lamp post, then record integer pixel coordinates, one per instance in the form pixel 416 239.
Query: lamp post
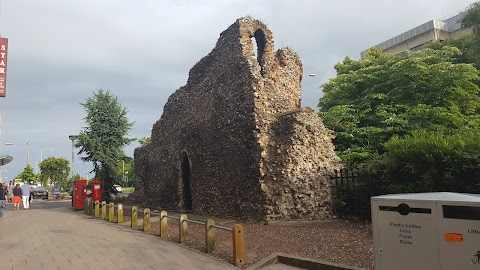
pixel 73 138
pixel 28 153
pixel 41 153
pixel 3 159
pixel 1 179
pixel 126 179
pixel 123 169
pixel 87 174
pixel 1 136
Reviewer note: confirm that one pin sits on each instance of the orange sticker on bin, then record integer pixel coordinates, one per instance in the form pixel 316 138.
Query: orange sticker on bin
pixel 453 237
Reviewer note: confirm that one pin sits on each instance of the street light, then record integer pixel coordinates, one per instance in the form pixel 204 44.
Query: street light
pixel 126 179
pixel 87 174
pixel 4 159
pixel 41 153
pixel 1 138
pixel 73 138
pixel 1 179
pixel 123 169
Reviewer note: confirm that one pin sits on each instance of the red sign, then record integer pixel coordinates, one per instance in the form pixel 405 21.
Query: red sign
pixel 3 66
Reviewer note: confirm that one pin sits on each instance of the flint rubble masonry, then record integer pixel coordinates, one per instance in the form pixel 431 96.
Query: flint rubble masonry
pixel 234 141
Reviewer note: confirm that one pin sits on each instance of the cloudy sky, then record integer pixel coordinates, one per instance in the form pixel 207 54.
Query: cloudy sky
pixel 60 52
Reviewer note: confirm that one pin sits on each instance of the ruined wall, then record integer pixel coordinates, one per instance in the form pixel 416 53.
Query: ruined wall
pixel 236 128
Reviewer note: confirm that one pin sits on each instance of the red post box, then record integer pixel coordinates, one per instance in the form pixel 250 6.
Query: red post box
pixel 96 190
pixel 79 194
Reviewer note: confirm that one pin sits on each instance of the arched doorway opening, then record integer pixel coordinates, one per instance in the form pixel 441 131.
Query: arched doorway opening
pixel 186 183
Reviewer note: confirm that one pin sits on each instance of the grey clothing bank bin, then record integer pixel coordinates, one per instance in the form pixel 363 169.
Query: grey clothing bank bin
pixel 426 231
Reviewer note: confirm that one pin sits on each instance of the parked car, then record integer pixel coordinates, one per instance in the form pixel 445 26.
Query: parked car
pixel 40 192
pixel 118 188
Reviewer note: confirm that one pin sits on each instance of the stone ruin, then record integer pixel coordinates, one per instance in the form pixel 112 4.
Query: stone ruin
pixel 234 141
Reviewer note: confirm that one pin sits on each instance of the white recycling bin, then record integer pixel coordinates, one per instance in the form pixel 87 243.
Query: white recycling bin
pixel 426 231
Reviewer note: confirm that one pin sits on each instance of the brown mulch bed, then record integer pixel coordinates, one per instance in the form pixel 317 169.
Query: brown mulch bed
pixel 339 241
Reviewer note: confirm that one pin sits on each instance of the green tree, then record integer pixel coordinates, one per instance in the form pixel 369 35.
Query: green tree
pixel 469 44
pixel 124 166
pixel 145 140
pixel 27 174
pixel 77 176
pixel 384 95
pixel 472 18
pixel 432 161
pixel 57 171
pixel 102 140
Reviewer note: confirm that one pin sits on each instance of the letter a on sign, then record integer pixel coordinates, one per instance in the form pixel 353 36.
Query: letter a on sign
pixel 3 66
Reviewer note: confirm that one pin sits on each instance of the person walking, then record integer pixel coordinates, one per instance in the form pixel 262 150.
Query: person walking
pixel 3 195
pixel 10 193
pixel 26 188
pixel 17 196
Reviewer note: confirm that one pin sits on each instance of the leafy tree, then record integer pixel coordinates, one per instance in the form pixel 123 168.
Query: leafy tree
pixel 77 176
pixel 125 165
pixel 27 174
pixel 384 95
pixel 57 171
pixel 104 137
pixel 145 140
pixel 472 18
pixel 468 45
pixel 431 161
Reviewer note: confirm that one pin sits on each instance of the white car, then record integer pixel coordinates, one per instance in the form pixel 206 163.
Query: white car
pixel 118 188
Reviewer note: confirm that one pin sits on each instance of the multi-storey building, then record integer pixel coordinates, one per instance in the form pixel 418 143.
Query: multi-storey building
pixel 431 31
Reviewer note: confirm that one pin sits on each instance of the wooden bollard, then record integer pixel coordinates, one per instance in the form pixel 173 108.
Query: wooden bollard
pixel 90 207
pixel 146 220
pixel 209 236
pixel 111 211
pixel 238 245
pixel 120 213
pixel 85 206
pixel 104 210
pixel 182 229
pixel 134 220
pixel 163 224
pixel 97 209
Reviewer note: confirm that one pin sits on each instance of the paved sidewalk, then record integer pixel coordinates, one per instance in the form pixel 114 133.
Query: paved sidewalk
pixel 59 238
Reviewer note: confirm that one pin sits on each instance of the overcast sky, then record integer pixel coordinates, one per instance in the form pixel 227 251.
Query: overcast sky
pixel 60 52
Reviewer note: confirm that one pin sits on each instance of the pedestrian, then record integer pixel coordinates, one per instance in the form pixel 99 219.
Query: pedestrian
pixel 10 193
pixel 3 195
pixel 17 196
pixel 26 188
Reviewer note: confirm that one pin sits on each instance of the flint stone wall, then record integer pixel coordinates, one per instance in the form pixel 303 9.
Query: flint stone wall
pixel 237 133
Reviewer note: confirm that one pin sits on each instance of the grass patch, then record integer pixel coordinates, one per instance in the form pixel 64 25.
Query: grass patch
pixel 118 200
pixel 128 189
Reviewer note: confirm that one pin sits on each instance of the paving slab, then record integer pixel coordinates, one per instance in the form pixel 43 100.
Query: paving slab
pixel 59 238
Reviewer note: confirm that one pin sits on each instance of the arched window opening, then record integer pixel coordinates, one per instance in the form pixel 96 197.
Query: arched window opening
pixel 258 41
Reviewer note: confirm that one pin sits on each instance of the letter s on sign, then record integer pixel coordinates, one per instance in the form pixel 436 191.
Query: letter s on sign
pixel 3 47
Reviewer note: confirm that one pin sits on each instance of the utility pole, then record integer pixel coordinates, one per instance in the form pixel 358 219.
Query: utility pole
pixel 28 153
pixel 73 138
